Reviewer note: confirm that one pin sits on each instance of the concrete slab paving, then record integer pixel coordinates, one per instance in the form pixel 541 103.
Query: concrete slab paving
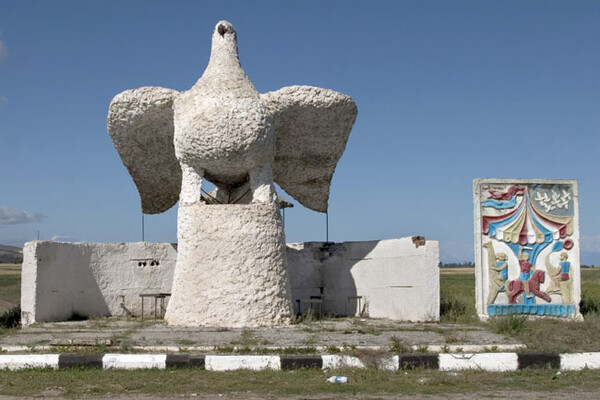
pixel 347 334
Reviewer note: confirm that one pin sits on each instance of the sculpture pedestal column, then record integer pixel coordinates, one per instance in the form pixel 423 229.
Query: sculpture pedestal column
pixel 231 267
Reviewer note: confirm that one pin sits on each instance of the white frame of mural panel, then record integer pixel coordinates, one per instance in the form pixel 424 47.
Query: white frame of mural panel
pixel 482 276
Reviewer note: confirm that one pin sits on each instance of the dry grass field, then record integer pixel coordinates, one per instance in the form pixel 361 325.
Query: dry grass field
pixel 10 286
pixel 457 271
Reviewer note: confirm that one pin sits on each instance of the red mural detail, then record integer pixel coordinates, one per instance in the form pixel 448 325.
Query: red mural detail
pixel 497 195
pixel 563 232
pixel 485 220
pixel 515 287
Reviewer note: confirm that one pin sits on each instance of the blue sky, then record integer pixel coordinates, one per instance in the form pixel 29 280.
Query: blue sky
pixel 447 91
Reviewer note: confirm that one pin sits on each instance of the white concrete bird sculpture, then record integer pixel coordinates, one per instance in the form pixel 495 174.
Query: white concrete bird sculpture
pixel 224 131
pixel 231 261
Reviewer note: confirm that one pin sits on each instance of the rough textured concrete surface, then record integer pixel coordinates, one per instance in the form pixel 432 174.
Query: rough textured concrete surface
pixel 224 131
pixel 61 281
pixel 316 123
pixel 141 125
pixel 230 273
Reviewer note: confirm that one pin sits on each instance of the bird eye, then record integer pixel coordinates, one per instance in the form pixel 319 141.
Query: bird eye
pixel 222 30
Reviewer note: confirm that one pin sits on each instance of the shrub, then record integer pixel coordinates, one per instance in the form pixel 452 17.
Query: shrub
pixel 589 305
pixel 11 318
pixel 398 346
pixel 454 308
pixel 512 325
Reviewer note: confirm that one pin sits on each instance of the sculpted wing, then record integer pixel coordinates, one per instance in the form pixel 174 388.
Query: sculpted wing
pixel 312 127
pixel 140 124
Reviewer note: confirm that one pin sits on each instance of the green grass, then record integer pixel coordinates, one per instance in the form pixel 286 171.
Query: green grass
pixel 561 336
pixel 457 297
pixel 10 280
pixel 511 325
pixel 74 383
pixel 590 291
pixel 10 286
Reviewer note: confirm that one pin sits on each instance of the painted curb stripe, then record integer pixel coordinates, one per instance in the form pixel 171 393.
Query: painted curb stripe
pixel 538 360
pixel 443 361
pixel 481 361
pixel 298 362
pixel 134 361
pixel 578 361
pixel 230 363
pixel 80 360
pixel 389 363
pixel 339 361
pixel 411 361
pixel 22 361
pixel 184 360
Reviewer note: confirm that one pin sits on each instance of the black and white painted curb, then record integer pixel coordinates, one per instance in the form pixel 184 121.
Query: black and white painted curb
pixel 442 361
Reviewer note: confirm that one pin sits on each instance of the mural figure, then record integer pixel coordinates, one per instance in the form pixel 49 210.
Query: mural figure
pixel 526 271
pixel 517 286
pixel 560 279
pixel 498 267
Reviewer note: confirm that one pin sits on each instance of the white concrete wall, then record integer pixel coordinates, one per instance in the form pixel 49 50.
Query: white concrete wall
pixel 63 280
pixel 396 278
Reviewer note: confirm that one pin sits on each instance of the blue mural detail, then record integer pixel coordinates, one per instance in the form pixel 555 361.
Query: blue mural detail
pixel 501 204
pixel 528 300
pixel 555 310
pixel 494 225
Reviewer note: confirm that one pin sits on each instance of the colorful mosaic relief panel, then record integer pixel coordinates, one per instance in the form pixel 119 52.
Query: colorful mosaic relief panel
pixel 528 248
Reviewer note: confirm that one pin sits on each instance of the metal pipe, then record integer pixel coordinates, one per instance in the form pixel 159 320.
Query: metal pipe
pixel 327 226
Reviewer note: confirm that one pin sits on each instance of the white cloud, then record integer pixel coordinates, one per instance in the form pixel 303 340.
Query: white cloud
pixel 10 216
pixel 3 52
pixel 3 101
